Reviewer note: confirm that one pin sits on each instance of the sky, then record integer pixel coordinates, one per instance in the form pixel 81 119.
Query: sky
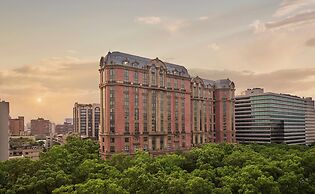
pixel 50 50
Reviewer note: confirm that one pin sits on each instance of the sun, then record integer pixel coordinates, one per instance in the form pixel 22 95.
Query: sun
pixel 39 100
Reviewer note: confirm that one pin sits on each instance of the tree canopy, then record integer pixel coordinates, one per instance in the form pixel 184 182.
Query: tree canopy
pixel 76 167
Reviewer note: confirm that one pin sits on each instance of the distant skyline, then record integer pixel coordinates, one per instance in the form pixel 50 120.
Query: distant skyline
pixel 49 50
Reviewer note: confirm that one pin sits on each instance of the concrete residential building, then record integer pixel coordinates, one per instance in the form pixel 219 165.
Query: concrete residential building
pixel 269 118
pixel 41 127
pixel 65 128
pixel 86 119
pixel 69 120
pixel 24 147
pixel 309 121
pixel 4 130
pixel 151 105
pixel 16 126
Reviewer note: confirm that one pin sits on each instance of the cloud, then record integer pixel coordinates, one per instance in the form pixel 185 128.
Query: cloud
pixel 172 25
pixel 258 26
pixel 151 20
pixel 214 46
pixel 288 7
pixel 203 18
pixel 71 51
pixel 298 20
pixel 310 42
pixel 27 69
pixel 176 25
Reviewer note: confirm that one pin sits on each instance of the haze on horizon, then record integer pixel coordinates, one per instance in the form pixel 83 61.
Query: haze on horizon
pixel 49 50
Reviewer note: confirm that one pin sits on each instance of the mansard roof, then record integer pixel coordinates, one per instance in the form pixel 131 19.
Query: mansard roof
pixel 224 83
pixel 218 84
pixel 118 58
pixel 208 83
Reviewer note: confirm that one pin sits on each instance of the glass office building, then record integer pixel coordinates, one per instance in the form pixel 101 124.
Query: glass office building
pixel 270 118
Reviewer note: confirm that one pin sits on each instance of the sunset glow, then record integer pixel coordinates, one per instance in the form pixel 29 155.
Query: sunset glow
pixel 54 48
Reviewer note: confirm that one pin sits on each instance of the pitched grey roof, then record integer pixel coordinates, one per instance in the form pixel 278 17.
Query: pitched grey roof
pixel 125 59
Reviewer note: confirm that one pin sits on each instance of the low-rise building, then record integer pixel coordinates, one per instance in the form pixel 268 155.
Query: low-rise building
pixel 16 126
pixel 64 128
pixel 25 147
pixel 266 117
pixel 41 127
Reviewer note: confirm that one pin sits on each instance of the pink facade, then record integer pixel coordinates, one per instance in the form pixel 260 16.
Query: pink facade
pixel 148 105
pixel 225 114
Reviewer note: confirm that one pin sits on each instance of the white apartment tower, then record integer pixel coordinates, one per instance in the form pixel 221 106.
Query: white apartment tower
pixel 86 119
pixel 4 130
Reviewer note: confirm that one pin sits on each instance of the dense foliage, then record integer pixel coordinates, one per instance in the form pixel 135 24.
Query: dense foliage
pixel 215 168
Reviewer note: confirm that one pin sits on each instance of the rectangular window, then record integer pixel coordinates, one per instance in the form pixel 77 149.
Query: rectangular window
pixel 153 143
pixel 145 116
pixel 153 111
pixel 195 115
pixel 136 78
pixel 111 75
pixel 145 78
pixel 126 148
pixel 168 82
pixel 183 114
pixel 169 116
pixel 176 114
pixel 126 108
pixel 112 109
pixel 136 127
pixel 175 83
pixel 161 111
pixel 161 143
pixel 126 75
pixel 161 80
pixel 112 149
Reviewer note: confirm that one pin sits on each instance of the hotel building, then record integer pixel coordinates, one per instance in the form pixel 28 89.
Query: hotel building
pixel 86 119
pixel 265 117
pixel 147 104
